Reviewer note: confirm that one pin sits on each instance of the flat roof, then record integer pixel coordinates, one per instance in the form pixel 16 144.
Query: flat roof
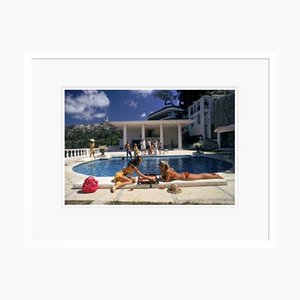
pixel 166 109
pixel 152 122
pixel 225 128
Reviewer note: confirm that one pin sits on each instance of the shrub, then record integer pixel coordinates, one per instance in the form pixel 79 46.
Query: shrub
pixel 209 145
pixel 206 144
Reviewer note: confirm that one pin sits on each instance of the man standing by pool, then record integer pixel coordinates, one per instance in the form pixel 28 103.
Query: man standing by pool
pixel 159 146
pixel 128 150
pixel 149 144
pixel 143 145
pixel 92 148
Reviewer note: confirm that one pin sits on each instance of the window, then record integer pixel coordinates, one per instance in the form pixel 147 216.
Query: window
pixel 150 133
pixel 206 118
pixel 206 104
pixel 199 119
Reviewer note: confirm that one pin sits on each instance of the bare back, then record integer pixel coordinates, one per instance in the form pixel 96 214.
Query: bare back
pixel 171 174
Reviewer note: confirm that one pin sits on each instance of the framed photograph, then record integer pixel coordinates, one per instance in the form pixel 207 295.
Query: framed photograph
pixel 148 149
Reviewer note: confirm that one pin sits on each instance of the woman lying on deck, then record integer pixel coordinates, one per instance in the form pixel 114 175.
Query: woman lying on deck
pixel 167 174
pixel 121 178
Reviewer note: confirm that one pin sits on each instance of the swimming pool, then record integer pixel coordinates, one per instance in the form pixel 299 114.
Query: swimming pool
pixel 180 163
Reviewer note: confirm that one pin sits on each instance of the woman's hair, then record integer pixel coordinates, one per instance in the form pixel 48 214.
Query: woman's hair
pixel 135 162
pixel 164 163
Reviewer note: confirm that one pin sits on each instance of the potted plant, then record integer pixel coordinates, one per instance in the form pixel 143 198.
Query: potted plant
pixel 102 149
pixel 198 146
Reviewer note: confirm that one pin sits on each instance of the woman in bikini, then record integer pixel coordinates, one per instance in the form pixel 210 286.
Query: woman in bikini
pixel 121 178
pixel 168 174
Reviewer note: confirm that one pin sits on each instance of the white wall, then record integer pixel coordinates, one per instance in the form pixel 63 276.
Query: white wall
pixel 176 273
pixel 199 129
pixel 134 134
pixel 169 135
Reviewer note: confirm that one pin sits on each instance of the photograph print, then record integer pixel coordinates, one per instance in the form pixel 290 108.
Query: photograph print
pixel 149 147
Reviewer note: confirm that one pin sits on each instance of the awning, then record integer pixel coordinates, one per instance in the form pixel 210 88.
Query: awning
pixel 224 128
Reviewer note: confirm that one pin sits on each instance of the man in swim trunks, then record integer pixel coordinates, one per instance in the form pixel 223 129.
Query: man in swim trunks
pixel 92 148
pixel 128 150
pixel 168 174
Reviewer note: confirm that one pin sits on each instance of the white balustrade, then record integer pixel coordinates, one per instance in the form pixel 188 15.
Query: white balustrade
pixel 74 153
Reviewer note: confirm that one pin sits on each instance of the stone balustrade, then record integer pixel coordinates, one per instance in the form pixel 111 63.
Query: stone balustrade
pixel 73 153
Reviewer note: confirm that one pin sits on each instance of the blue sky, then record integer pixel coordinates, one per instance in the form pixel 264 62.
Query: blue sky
pixel 94 106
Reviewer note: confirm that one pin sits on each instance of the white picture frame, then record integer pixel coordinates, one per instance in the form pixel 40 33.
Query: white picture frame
pixel 48 223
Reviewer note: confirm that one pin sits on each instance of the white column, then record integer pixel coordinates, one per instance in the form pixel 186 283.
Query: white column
pixel 179 136
pixel 161 134
pixel 124 135
pixel 143 131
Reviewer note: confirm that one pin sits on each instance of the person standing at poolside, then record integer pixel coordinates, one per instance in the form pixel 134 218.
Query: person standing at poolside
pixel 151 149
pixel 159 146
pixel 128 150
pixel 92 148
pixel 136 151
pixel 167 174
pixel 155 147
pixel 149 144
pixel 143 146
pixel 125 176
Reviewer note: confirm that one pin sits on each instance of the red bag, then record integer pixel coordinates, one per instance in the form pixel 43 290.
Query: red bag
pixel 90 185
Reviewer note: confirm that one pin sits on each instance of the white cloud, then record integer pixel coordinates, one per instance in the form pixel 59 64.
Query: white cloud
pixel 86 106
pixel 143 93
pixel 143 115
pixel 131 103
pixel 100 115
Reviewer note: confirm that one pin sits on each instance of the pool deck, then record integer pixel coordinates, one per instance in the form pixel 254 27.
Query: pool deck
pixel 205 192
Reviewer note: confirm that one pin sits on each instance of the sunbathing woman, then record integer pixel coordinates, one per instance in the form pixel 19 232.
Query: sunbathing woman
pixel 121 178
pixel 168 174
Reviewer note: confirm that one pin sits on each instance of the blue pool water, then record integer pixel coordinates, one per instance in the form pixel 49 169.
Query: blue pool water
pixel 150 165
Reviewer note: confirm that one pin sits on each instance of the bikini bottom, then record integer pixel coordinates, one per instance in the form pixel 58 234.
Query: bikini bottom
pixel 186 174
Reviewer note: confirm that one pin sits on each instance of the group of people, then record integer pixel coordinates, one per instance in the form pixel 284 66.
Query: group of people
pixel 152 148
pixel 125 176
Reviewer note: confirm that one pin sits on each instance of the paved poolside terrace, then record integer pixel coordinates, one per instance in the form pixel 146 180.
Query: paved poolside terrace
pixel 198 192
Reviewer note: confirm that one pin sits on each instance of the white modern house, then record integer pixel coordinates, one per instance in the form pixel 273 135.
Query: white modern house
pixel 201 113
pixel 224 121
pixel 225 136
pixel 168 131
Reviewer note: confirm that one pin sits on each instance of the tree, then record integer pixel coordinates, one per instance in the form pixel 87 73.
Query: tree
pixel 79 137
pixel 187 97
pixel 166 95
